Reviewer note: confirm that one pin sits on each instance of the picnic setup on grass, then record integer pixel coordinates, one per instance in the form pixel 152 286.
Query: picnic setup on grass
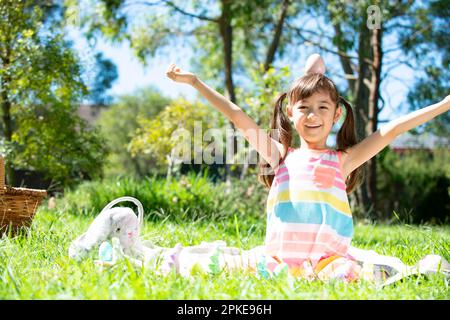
pixel 114 235
pixel 226 149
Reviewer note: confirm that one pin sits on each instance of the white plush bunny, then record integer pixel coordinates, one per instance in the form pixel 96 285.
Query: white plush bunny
pixel 118 222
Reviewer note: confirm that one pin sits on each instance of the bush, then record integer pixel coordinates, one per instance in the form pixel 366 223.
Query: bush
pixel 192 196
pixel 416 185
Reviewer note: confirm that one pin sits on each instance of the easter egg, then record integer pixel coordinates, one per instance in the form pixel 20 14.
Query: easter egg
pixel 105 251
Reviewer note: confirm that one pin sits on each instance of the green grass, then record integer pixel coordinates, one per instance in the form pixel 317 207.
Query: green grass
pixel 36 266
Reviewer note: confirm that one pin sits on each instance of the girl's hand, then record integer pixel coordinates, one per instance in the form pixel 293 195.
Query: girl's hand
pixel 179 75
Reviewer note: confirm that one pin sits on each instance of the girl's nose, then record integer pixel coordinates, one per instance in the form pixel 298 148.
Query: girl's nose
pixel 310 115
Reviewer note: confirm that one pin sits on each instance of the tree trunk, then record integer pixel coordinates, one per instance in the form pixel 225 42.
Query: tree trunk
pixel 345 61
pixel 374 111
pixel 5 80
pixel 367 93
pixel 270 56
pixel 361 95
pixel 360 92
pixel 226 33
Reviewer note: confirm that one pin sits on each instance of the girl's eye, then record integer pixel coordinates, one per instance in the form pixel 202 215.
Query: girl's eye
pixel 302 107
pixel 323 108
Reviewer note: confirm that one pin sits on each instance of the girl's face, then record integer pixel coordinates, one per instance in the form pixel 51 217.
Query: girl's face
pixel 313 118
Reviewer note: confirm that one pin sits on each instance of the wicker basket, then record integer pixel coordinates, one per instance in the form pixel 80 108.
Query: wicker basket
pixel 17 205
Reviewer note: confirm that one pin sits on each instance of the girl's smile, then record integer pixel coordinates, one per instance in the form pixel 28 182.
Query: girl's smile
pixel 311 126
pixel 313 118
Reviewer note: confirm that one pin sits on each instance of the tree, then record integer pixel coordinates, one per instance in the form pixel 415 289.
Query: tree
pixel 175 135
pixel 236 26
pixel 118 125
pixel 359 40
pixel 105 72
pixel 428 89
pixel 52 140
pixel 425 41
pixel 40 84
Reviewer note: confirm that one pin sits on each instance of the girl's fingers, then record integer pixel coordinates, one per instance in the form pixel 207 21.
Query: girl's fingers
pixel 171 71
pixel 170 68
pixel 170 74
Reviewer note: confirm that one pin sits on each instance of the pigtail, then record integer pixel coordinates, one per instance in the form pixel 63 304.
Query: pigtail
pixel 346 138
pixel 280 131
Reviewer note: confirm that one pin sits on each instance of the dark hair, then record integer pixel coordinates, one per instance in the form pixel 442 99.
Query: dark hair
pixel 303 88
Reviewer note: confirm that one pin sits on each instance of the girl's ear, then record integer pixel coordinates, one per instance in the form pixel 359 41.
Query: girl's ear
pixel 337 114
pixel 289 111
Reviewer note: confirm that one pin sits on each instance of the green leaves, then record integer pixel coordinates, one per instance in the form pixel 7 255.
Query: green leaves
pixel 118 124
pixel 41 87
pixel 54 141
pixel 421 178
pixel 173 127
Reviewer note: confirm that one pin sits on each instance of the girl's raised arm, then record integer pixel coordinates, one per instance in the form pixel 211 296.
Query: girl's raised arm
pixel 377 141
pixel 267 147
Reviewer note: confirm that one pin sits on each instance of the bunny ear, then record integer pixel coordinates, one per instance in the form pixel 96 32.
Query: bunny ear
pixel 130 199
pixel 315 64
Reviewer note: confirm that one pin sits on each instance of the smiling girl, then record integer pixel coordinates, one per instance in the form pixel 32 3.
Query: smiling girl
pixel 309 221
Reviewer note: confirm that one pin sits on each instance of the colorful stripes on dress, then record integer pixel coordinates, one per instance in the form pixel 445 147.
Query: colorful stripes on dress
pixel 308 213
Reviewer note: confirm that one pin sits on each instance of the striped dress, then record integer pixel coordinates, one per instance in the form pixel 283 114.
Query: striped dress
pixel 309 222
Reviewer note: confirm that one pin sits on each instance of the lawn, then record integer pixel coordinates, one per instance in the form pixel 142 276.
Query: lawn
pixel 36 266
